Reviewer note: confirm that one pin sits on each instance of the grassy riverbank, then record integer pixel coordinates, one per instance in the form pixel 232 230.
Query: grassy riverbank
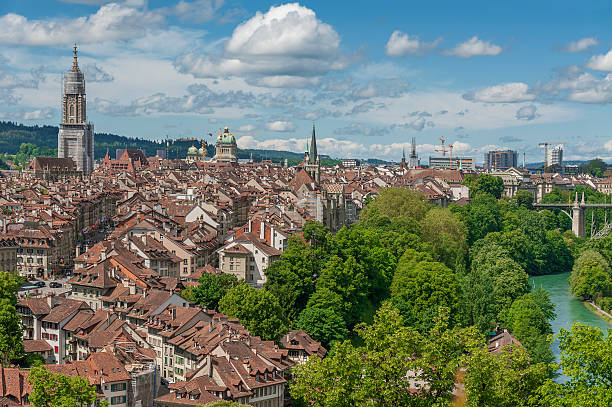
pixel 597 311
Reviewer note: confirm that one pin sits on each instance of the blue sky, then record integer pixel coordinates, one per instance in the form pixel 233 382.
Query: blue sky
pixel 370 75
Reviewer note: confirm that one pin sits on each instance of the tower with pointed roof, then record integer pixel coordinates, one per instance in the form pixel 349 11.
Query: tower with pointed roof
pixel 312 162
pixel 76 136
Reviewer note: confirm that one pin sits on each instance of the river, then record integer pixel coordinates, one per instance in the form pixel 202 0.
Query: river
pixel 567 307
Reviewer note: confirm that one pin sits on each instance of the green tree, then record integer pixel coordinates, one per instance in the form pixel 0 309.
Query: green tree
pixel 586 358
pixel 9 283
pixel 211 288
pixel 478 304
pixel 482 217
pixel 488 184
pixel 393 359
pixel 398 203
pixel 419 288
pixel 57 390
pixel 505 379
pixel 591 276
pixel 11 344
pixel 446 234
pixel 323 325
pixel 258 310
pixel 595 167
pixel 524 199
pixel 291 279
pixel 528 319
pixel 347 280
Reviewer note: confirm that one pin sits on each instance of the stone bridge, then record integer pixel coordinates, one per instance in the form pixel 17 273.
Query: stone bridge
pixel 575 211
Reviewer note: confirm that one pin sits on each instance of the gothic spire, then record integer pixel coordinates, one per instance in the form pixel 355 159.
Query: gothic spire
pixel 75 63
pixel 312 157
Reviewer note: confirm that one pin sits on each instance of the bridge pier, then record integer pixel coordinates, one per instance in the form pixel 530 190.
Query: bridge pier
pixel 578 221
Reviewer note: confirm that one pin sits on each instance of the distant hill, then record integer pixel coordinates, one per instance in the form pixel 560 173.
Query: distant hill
pixel 44 142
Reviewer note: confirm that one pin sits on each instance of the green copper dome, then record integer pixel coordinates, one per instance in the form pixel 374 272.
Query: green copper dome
pixel 201 151
pixel 226 137
pixel 192 150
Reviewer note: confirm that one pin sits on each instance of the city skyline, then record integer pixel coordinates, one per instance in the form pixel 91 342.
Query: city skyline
pixel 370 82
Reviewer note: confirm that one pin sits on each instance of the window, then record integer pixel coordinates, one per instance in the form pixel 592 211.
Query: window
pixel 185 261
pixel 118 386
pixel 56 349
pixel 118 400
pixel 180 360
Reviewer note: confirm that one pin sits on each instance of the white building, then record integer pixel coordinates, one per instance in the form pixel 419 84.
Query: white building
pixel 555 156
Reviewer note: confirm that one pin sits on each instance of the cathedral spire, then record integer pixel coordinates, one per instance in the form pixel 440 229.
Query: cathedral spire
pixel 312 157
pixel 75 62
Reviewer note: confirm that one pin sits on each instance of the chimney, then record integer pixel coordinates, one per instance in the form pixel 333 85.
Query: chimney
pixel 262 230
pixel 209 364
pixel 103 254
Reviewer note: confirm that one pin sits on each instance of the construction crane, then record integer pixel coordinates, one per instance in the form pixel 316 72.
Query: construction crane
pixel 441 149
pixel 545 145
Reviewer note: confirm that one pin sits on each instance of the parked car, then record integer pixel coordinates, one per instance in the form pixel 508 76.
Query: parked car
pixel 40 284
pixel 55 284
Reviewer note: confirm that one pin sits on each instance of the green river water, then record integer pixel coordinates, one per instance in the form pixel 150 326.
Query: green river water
pixel 567 307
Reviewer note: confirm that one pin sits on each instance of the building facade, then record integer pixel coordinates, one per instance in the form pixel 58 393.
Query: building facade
pixel 496 160
pixel 457 163
pixel 226 148
pixel 76 137
pixel 555 156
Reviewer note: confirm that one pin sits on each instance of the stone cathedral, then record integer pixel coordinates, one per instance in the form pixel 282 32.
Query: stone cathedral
pixel 76 137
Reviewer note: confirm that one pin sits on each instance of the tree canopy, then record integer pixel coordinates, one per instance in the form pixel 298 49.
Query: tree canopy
pixel 57 390
pixel 258 310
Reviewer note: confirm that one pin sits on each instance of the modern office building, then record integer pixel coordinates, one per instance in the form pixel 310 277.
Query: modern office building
pixel 500 160
pixel 457 163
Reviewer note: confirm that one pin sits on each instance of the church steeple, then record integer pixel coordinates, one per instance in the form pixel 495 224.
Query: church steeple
pixel 75 62
pixel 312 152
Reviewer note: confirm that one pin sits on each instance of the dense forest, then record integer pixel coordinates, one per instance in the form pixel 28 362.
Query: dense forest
pixel 20 143
pixel 414 289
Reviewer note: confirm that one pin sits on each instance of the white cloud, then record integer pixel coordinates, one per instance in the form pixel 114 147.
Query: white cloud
pixel 599 92
pixel 527 113
pixel 601 62
pixel 359 129
pixel 581 45
pixel 288 46
pixel 197 11
pixel 505 93
pixel 246 127
pixel 401 44
pixel 577 86
pixel 111 22
pixel 94 73
pixel 38 114
pixel 474 47
pixel 281 126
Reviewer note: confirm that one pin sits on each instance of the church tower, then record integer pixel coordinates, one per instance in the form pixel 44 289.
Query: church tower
pixel 76 137
pixel 312 162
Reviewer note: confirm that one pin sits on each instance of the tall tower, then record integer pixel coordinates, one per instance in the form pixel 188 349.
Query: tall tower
pixel 76 137
pixel 414 161
pixel 312 163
